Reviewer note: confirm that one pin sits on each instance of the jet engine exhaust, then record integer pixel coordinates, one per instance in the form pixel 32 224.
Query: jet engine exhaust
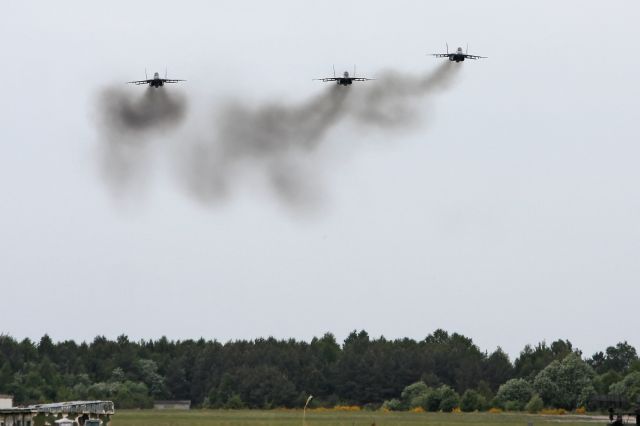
pixel 127 122
pixel 279 140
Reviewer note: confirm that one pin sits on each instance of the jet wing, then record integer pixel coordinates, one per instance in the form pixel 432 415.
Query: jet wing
pixel 475 57
pixel 171 80
pixel 327 79
pixel 139 82
pixel 361 79
pixel 440 55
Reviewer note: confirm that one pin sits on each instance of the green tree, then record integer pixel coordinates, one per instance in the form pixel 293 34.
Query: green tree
pixel 449 399
pixel 565 384
pixel 147 370
pixel 271 372
pixel 602 382
pixel 235 403
pixel 176 379
pixel 132 395
pixel 629 387
pixel 535 404
pixel 411 395
pixel 498 369
pixel 471 401
pixel 533 360
pixel 514 390
pixel 117 375
pixel 618 358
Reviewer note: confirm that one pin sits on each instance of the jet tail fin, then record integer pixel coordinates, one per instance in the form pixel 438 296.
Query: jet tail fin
pixel 146 77
pixel 447 44
pixel 334 70
pixel 467 52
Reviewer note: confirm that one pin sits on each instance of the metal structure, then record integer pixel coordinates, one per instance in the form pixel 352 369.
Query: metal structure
pixel 72 413
pixel 619 409
pixel 82 407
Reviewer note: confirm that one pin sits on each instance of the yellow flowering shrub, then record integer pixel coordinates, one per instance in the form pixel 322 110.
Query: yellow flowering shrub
pixel 553 411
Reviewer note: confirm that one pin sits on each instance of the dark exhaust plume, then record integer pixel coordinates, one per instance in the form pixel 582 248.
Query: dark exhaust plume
pixel 276 142
pixel 390 101
pixel 127 121
pixel 274 138
pixel 279 140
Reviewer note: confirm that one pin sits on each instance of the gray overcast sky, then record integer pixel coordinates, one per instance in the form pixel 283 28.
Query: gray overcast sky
pixel 511 215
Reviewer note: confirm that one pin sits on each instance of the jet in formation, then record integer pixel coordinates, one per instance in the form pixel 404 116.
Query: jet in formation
pixel 458 55
pixel 156 81
pixel 345 79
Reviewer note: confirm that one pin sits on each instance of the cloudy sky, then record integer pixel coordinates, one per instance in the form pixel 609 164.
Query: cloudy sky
pixel 509 212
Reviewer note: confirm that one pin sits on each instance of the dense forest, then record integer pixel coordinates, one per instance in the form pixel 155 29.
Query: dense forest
pixel 442 372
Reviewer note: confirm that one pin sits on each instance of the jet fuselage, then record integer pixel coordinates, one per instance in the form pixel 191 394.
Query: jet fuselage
pixel 345 80
pixel 458 56
pixel 157 81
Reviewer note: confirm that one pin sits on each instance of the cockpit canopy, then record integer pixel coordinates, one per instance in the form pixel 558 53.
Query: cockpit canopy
pixel 156 76
pixel 346 74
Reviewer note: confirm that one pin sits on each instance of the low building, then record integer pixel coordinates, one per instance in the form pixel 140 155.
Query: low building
pixel 6 401
pixel 172 405
pixel 74 413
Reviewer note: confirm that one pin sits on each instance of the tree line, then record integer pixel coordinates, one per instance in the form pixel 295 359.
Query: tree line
pixel 442 372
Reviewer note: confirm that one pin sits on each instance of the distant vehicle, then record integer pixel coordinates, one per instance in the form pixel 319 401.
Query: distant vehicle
pixel 346 79
pixel 458 55
pixel 156 81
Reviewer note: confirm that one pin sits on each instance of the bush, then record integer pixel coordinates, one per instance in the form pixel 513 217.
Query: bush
pixel 513 406
pixel 415 395
pixel 234 402
pixel 518 390
pixel 553 411
pixel 450 399
pixel 413 391
pixel 422 401
pixel 495 403
pixel 449 403
pixel 535 404
pixel 431 401
pixel 471 401
pixel 443 398
pixel 392 405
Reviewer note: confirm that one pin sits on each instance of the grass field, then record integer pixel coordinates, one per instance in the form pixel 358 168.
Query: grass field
pixel 362 418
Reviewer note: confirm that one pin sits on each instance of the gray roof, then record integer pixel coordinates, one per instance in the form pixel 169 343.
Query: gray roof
pixel 89 407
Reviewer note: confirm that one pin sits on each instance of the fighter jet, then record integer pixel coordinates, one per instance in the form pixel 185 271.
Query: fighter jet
pixel 345 80
pixel 156 81
pixel 458 55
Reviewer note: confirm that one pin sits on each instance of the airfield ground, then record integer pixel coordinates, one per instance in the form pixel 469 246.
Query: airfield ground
pixel 362 418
